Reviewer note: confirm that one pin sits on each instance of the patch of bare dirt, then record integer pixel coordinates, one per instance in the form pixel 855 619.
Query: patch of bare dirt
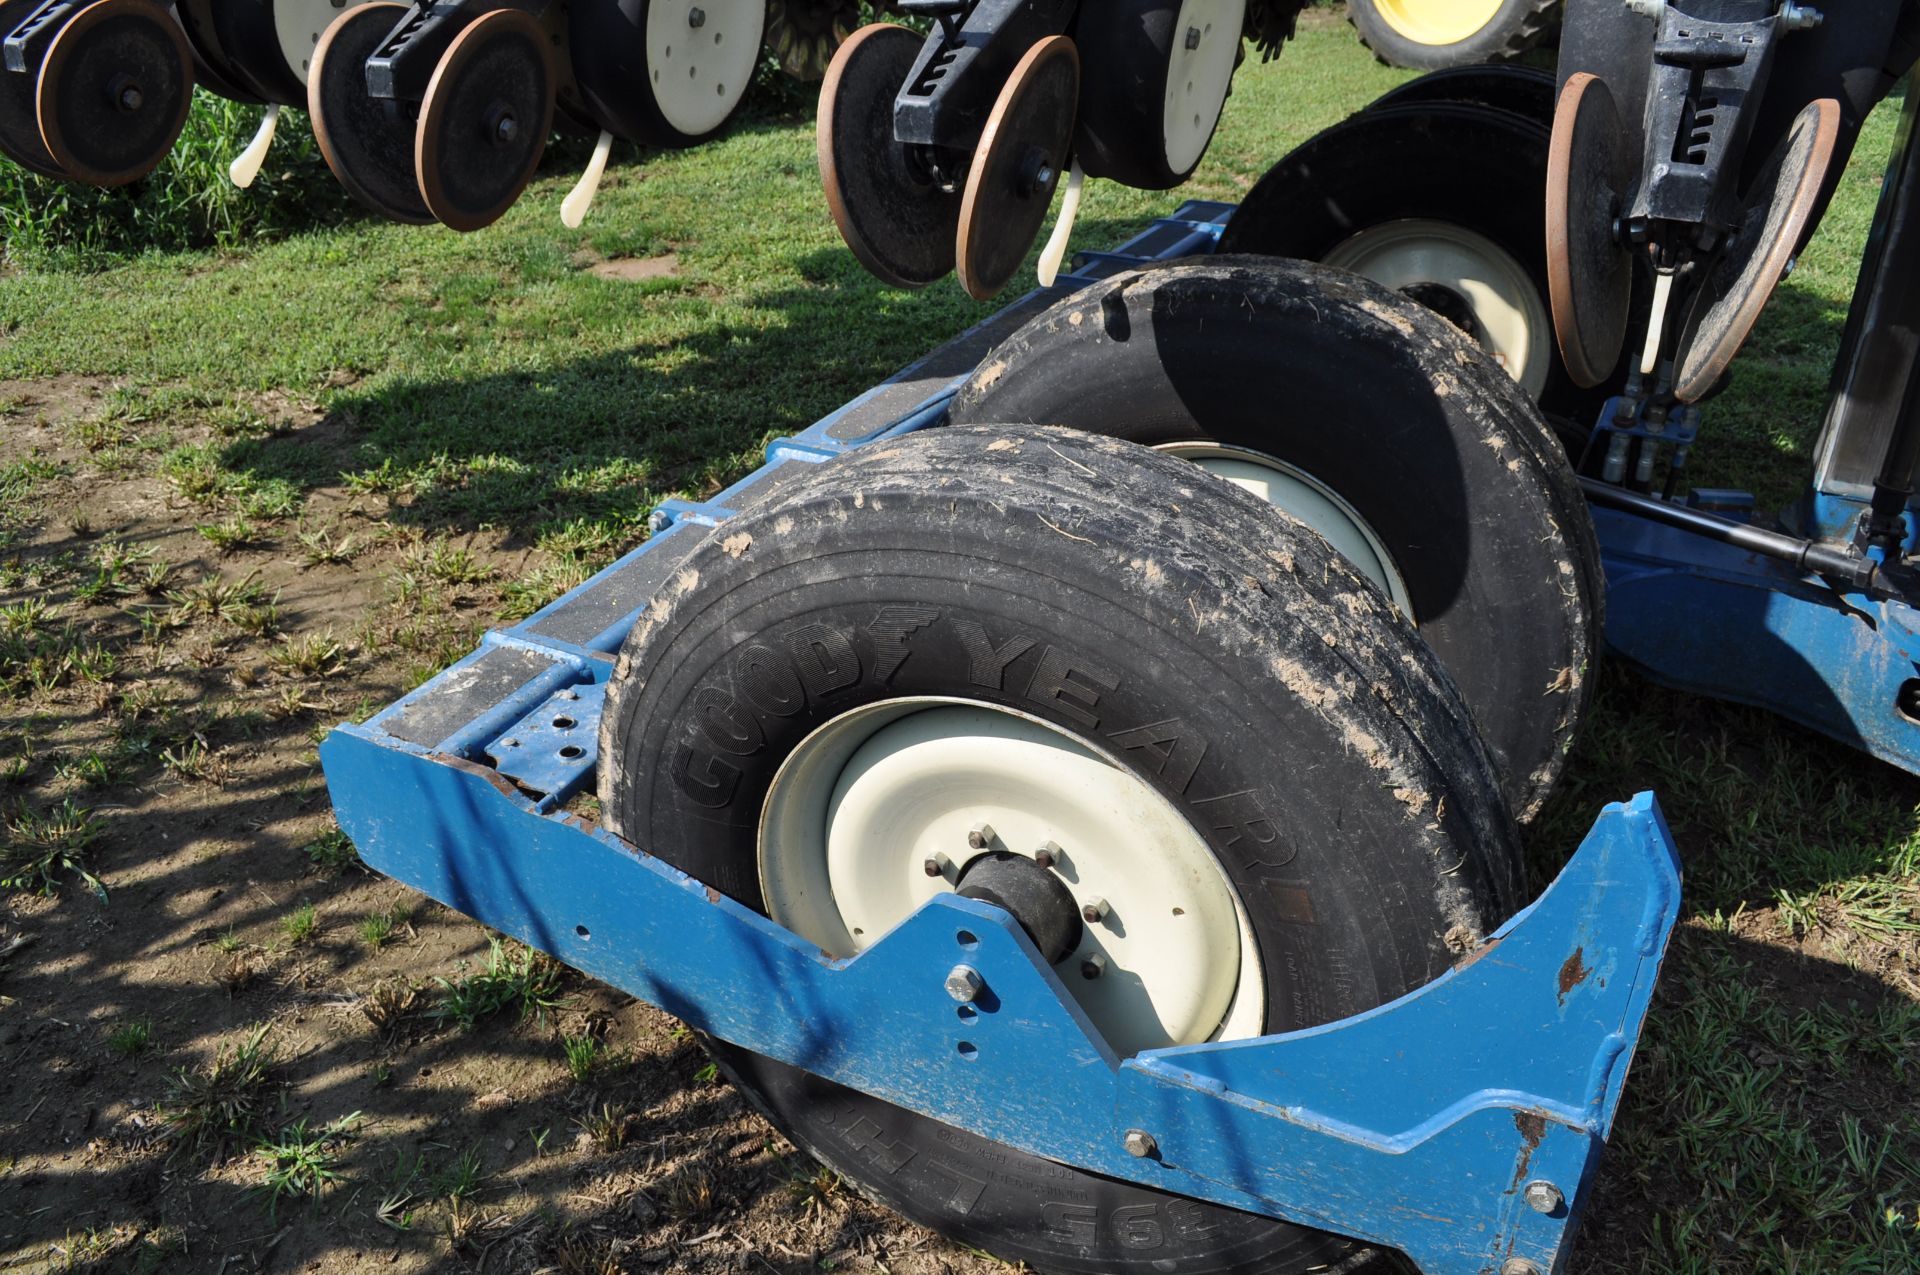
pixel 195 752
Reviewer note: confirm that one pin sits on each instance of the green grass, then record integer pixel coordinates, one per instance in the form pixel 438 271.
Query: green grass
pixel 40 847
pixel 223 1100
pixel 514 978
pixel 131 1038
pixel 496 382
pixel 301 1161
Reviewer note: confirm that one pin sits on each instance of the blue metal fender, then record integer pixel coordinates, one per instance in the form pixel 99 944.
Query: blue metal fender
pixel 1419 1125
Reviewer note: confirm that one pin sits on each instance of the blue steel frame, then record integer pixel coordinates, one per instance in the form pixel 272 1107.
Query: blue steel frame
pixel 459 789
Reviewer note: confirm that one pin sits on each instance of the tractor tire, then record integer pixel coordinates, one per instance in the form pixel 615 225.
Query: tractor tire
pixel 1429 35
pixel 1171 635
pixel 1376 422
pixel 1402 190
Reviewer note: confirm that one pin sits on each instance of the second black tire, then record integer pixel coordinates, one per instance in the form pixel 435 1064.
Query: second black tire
pixel 1389 407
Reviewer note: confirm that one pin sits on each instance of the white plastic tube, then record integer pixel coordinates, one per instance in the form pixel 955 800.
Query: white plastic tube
pixel 573 209
pixel 246 165
pixel 1056 250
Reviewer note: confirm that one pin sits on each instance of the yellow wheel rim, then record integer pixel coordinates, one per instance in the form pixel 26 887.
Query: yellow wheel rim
pixel 1437 22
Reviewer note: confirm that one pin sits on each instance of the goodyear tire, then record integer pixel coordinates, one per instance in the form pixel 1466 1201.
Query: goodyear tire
pixel 1390 419
pixel 1205 647
pixel 1431 34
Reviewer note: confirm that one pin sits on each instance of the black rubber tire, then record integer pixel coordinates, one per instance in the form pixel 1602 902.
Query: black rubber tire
pixel 607 40
pixel 1386 404
pixel 1527 91
pixel 1085 560
pixel 1126 50
pixel 1473 166
pixel 1518 26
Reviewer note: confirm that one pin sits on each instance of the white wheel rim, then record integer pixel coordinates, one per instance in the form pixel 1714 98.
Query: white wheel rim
pixel 1309 500
pixel 299 24
pixel 1513 318
pixel 859 807
pixel 1199 76
pixel 700 58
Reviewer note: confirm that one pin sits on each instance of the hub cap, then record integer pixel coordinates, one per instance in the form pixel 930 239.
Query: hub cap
pixel 864 803
pixel 1304 497
pixel 700 56
pixel 1510 319
pixel 1437 22
pixel 1206 43
pixel 300 23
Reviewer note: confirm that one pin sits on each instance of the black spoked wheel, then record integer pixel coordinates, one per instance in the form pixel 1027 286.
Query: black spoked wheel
pixel 973 645
pixel 1440 200
pixel 1377 424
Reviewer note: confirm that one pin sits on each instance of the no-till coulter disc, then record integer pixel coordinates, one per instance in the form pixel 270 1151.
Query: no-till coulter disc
pixel 114 91
pixel 895 216
pixel 485 119
pixel 1777 210
pixel 367 141
pixel 1589 271
pixel 1021 154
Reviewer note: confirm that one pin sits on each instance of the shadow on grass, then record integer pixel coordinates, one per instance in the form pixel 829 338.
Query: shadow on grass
pixel 606 437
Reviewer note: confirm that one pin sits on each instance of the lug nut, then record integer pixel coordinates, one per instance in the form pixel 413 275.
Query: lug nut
pixel 1544 1197
pixel 980 836
pixel 1139 1143
pixel 1193 37
pixel 1095 911
pixel 963 983
pixel 936 864
pixel 1049 854
pixel 1094 966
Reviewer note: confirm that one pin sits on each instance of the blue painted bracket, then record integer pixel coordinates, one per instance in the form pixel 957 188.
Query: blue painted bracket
pixel 1715 620
pixel 1419 1125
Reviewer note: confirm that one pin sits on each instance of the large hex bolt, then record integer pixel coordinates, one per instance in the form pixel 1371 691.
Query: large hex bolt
pixel 1139 1143
pixel 963 983
pixel 1544 1197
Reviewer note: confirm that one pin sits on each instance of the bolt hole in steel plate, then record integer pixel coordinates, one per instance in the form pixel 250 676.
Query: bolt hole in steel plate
pixel 367 142
pixel 1199 77
pixel 899 223
pixel 1775 215
pixel 699 72
pixel 1589 271
pixel 485 119
pixel 1302 496
pixel 1016 166
pixel 20 138
pixel 114 91
pixel 859 806
pixel 1502 308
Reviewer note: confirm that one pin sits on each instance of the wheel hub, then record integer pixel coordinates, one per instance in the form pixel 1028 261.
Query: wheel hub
pixel 1037 898
pixel 886 806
